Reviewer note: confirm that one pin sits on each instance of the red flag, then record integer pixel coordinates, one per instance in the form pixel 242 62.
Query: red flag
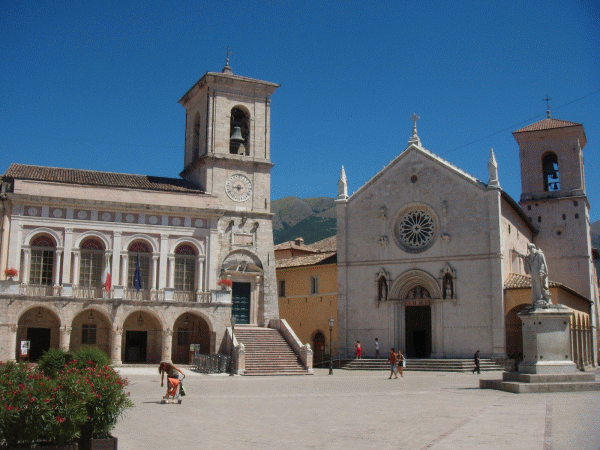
pixel 106 279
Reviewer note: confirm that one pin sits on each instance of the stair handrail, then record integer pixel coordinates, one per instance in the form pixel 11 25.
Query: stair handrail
pixel 304 352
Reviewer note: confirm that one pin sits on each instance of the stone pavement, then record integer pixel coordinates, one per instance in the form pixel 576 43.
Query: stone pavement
pixel 354 410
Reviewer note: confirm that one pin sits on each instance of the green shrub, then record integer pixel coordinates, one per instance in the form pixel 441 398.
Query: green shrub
pixel 53 361
pixel 88 356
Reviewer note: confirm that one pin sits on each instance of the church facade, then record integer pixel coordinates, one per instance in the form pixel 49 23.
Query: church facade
pixel 427 254
pixel 147 268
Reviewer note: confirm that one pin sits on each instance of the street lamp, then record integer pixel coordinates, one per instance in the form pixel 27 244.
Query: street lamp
pixel 330 346
pixel 232 348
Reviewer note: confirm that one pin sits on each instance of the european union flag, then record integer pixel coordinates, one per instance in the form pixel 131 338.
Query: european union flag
pixel 137 278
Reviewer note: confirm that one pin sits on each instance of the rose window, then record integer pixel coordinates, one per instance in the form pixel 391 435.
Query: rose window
pixel 415 230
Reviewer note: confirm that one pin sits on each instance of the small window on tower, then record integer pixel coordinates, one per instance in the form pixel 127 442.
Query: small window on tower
pixel 551 174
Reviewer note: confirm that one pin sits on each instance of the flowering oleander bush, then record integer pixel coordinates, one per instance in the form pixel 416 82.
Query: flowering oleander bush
pixel 11 272
pixel 80 400
pixel 225 282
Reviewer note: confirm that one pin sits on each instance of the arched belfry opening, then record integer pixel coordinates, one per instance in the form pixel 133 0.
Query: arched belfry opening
pixel 239 131
pixel 551 172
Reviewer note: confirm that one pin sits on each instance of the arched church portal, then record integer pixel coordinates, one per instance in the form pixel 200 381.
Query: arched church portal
pixel 245 271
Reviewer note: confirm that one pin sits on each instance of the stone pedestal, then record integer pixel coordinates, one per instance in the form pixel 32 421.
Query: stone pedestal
pixel 546 341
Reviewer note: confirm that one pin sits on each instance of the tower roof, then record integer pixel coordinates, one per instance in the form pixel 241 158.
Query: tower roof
pixel 547 124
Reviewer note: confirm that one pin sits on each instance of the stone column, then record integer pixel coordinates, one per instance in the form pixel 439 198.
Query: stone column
pixel 26 265
pixel 67 257
pixel 57 267
pixel 154 269
pixel 76 258
pixel 167 344
pixel 171 282
pixel 65 337
pixel 12 329
pixel 115 263
pixel 200 274
pixel 115 348
pixel 124 258
pixel 164 242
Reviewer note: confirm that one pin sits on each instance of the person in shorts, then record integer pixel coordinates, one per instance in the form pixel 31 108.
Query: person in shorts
pixel 393 360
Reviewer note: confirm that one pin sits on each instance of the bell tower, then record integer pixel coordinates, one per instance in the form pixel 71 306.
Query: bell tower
pixel 553 197
pixel 227 138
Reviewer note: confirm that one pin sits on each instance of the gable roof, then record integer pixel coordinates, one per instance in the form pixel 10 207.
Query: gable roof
pixel 428 154
pixel 308 260
pixel 105 179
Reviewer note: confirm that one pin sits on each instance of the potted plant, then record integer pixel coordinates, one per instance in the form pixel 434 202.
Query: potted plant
pixel 11 272
pixel 225 283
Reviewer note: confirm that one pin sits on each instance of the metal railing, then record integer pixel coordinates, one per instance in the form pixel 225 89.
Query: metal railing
pixel 212 363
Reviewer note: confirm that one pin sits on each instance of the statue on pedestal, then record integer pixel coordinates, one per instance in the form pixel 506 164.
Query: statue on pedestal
pixel 535 265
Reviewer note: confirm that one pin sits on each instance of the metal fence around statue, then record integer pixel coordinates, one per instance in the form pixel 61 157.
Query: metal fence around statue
pixel 211 363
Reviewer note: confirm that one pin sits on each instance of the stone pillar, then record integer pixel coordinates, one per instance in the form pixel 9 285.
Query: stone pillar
pixel 115 269
pixel 12 329
pixel 167 344
pixel 115 347
pixel 124 258
pixel 154 270
pixel 67 257
pixel 26 265
pixel 65 337
pixel 57 267
pixel 76 264
pixel 163 260
pixel 200 274
pixel 171 282
pixel 546 344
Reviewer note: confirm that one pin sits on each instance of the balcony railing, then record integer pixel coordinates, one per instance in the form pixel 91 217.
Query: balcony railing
pixel 85 292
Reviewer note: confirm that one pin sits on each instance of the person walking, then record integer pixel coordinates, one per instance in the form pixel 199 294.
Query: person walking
pixel 376 348
pixel 476 360
pixel 401 363
pixel 393 360
pixel 358 350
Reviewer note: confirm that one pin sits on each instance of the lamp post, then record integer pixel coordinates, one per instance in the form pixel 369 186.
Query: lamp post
pixel 232 347
pixel 330 347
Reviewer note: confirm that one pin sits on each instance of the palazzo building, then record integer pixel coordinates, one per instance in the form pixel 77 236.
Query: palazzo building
pixel 166 242
pixel 425 251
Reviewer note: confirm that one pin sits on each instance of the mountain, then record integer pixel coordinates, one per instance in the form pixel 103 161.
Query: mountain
pixel 312 219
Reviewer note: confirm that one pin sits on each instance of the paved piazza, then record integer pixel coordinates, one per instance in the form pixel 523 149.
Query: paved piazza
pixel 354 410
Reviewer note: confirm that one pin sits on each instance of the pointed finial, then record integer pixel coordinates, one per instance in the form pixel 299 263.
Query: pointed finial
pixel 493 171
pixel 227 68
pixel 342 185
pixel 547 100
pixel 414 138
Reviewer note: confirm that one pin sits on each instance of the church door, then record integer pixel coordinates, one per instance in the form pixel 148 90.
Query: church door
pixel 240 298
pixel 417 321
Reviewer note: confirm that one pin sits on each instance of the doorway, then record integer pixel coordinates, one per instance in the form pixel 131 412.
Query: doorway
pixel 39 339
pixel 240 303
pixel 417 321
pixel 135 346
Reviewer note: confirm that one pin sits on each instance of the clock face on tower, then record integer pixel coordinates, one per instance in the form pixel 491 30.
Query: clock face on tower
pixel 238 188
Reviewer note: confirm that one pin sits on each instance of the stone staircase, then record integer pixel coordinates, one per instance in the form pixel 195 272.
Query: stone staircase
pixel 267 352
pixel 426 365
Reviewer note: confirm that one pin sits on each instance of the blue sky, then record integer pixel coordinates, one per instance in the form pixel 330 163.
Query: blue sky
pixel 95 85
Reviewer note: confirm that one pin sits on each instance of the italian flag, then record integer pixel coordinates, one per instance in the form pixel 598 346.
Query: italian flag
pixel 106 275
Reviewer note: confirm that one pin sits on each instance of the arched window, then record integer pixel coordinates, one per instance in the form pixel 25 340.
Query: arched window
pixel 551 174
pixel 185 268
pixel 91 263
pixel 239 132
pixel 139 251
pixel 42 260
pixel 196 136
pixel 382 289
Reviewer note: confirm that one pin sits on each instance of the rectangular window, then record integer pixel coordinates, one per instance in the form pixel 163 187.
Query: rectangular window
pixel 314 285
pixel 183 336
pixel 184 273
pixel 42 262
pixel 90 269
pixel 282 288
pixel 88 334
